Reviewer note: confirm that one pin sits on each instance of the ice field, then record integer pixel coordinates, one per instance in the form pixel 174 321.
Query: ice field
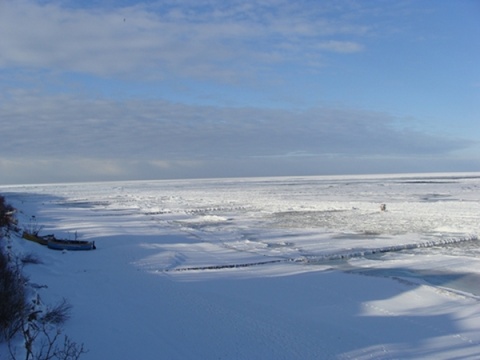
pixel 267 268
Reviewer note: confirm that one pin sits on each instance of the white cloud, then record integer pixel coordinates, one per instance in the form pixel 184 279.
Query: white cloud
pixel 341 46
pixel 163 131
pixel 61 138
pixel 221 40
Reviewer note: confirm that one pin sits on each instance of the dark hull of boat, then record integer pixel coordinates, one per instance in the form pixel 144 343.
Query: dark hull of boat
pixel 70 245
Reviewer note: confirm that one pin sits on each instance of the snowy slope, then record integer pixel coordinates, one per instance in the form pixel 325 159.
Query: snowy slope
pixel 266 268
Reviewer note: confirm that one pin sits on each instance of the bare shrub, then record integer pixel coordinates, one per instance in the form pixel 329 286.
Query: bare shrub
pixel 70 350
pixel 58 314
pixel 37 325
pixel 31 258
pixel 13 303
pixel 6 213
pixel 33 226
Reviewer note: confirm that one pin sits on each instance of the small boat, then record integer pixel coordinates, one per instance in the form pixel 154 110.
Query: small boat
pixel 42 240
pixel 58 244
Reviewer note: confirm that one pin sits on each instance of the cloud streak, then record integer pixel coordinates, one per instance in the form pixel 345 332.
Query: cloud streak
pixel 209 40
pixel 157 130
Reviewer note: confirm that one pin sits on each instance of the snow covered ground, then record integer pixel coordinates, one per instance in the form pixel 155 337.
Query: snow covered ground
pixel 264 268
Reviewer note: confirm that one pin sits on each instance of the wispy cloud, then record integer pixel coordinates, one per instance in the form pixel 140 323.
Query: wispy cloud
pixel 203 39
pixel 340 46
pixel 164 131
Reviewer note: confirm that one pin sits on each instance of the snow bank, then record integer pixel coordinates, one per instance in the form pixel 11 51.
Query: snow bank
pixel 206 269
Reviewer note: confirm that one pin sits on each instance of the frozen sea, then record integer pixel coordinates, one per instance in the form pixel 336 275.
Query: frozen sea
pixel 224 230
pixel 333 221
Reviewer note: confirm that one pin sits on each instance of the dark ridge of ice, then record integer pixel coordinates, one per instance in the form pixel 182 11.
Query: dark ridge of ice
pixel 343 255
pixel 372 251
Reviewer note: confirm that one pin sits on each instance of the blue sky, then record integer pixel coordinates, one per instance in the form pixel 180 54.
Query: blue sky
pixel 119 90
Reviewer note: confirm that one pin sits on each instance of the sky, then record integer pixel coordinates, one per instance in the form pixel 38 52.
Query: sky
pixel 125 90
